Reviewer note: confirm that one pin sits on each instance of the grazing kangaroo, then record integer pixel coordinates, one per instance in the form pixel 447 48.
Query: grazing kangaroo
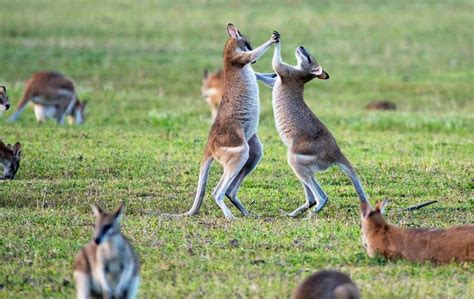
pixel 233 140
pixel 212 88
pixel 10 156
pixel 53 96
pixel 4 103
pixel 107 266
pixel 311 146
pixel 327 284
pixel 421 244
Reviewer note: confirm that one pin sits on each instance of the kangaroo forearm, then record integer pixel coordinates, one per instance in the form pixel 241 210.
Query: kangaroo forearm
pixel 278 65
pixel 267 79
pixel 254 55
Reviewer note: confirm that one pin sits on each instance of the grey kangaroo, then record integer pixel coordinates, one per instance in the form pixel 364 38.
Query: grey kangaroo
pixel 311 146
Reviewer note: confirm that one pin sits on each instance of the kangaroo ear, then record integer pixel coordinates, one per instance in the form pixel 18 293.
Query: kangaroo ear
pixel 97 210
pixel 2 145
pixel 205 74
pixel 365 209
pixel 380 207
pixel 323 76
pixel 232 31
pixel 17 149
pixel 3 88
pixel 118 212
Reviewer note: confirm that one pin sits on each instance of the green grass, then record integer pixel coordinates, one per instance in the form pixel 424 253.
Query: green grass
pixel 139 65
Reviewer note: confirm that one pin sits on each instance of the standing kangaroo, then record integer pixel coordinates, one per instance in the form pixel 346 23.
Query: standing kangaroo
pixel 4 103
pixel 233 140
pixel 311 146
pixel 327 284
pixel 53 96
pixel 10 156
pixel 107 266
pixel 420 244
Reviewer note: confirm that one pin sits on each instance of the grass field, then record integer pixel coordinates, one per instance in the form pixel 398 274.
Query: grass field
pixel 139 64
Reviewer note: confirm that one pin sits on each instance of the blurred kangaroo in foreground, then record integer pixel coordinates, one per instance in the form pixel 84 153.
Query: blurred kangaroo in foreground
pixel 311 146
pixel 53 96
pixel 327 284
pixel 212 88
pixel 233 140
pixel 4 103
pixel 10 156
pixel 107 266
pixel 420 244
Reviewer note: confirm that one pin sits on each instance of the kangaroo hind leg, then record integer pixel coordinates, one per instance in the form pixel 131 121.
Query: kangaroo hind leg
pixel 232 159
pixel 255 155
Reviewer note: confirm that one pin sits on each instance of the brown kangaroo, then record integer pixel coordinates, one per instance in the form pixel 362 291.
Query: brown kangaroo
pixel 212 89
pixel 420 244
pixel 233 140
pixel 311 146
pixel 327 284
pixel 53 96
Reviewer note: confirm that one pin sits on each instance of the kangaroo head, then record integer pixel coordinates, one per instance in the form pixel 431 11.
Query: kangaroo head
pixel 77 116
pixel 10 158
pixel 307 68
pixel 106 224
pixel 237 42
pixel 372 220
pixel 212 87
pixel 4 103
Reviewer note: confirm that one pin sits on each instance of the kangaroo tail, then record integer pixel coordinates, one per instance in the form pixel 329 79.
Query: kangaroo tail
pixel 347 168
pixel 201 189
pixel 419 206
pixel 21 105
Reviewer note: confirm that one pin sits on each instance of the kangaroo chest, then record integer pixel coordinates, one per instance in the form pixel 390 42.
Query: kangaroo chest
pixel 289 112
pixel 245 101
pixel 112 261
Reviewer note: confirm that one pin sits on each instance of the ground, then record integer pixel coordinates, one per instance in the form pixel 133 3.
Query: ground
pixel 139 66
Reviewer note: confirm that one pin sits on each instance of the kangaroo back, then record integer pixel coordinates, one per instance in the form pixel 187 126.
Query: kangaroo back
pixel 421 244
pixel 46 86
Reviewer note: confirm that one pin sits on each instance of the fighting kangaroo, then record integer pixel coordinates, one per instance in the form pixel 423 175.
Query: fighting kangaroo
pixel 233 140
pixel 311 146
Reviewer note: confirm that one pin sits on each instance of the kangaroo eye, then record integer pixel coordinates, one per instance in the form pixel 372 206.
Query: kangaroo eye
pixel 106 227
